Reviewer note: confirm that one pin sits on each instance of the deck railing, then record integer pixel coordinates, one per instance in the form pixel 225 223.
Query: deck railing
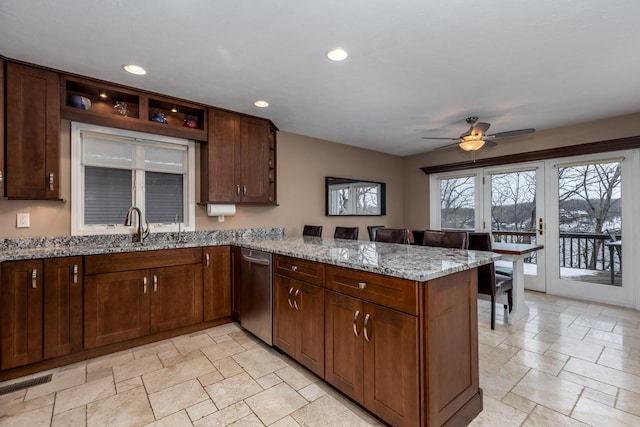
pixel 577 250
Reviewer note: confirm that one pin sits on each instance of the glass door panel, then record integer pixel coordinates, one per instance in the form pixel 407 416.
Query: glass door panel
pixel 590 217
pixel 514 203
pixel 458 203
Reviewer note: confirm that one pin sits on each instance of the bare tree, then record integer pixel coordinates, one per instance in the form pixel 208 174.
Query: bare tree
pixel 457 203
pixel 597 189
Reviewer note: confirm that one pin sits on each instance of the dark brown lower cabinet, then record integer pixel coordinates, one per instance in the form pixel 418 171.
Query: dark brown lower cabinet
pixel 371 355
pixel 130 304
pixel 298 321
pixel 217 282
pixel 21 299
pixel 63 286
pixel 176 297
pixel 116 307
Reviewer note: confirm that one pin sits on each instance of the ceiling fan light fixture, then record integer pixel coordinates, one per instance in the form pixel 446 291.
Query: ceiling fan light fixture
pixel 337 54
pixel 471 144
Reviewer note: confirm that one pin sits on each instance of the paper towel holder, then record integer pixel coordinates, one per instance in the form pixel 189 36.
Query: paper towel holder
pixel 220 211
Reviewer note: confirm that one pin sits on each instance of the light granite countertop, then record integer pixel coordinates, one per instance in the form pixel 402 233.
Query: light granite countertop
pixel 420 263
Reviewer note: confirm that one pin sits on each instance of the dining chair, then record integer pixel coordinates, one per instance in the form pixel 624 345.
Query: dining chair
pixel 392 235
pixel 372 231
pixel 312 230
pixel 350 233
pixel 490 283
pixel 445 239
pixel 418 236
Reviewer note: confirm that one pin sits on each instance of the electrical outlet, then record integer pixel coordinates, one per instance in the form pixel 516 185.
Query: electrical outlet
pixel 22 220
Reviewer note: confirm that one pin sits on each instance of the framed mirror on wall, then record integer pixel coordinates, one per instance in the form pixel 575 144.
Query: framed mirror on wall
pixel 352 197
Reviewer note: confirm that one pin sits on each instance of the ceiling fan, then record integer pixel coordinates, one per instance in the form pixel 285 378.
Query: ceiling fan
pixel 475 138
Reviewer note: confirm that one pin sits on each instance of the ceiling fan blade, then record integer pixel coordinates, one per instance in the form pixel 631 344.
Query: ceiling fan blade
pixel 446 146
pixel 511 133
pixel 447 139
pixel 480 128
pixel 489 144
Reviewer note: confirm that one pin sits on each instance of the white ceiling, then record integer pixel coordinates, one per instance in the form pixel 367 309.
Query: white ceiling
pixel 416 67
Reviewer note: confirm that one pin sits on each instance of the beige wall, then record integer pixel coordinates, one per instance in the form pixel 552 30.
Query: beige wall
pixel 302 163
pixel 416 183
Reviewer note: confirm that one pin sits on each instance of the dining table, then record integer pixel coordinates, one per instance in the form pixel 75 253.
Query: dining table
pixel 516 253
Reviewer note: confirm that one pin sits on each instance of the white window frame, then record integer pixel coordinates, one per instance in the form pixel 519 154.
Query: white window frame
pixel 435 202
pixel 78 228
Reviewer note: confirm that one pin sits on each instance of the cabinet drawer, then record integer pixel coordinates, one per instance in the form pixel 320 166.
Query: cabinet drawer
pixel 110 263
pixel 392 292
pixel 299 269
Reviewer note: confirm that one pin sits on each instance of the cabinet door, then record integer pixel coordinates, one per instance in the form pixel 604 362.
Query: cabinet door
pixel 255 160
pixel 220 158
pixel 2 174
pixel 391 365
pixel 217 282
pixel 310 340
pixel 62 306
pixel 285 316
pixel 344 344
pixel 32 132
pixel 176 297
pixel 116 307
pixel 21 300
pixel 236 280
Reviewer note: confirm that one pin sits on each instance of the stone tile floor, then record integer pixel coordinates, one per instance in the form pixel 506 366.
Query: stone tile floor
pixel 568 363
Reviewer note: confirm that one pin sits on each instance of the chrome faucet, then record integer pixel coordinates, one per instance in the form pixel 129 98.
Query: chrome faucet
pixel 142 234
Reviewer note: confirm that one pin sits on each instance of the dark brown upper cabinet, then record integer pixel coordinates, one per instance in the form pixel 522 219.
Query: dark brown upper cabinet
pixel 32 133
pixel 238 163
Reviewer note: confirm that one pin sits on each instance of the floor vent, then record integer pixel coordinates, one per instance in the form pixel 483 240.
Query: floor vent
pixel 24 384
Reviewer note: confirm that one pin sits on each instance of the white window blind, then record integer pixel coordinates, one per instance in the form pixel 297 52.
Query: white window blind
pixel 114 169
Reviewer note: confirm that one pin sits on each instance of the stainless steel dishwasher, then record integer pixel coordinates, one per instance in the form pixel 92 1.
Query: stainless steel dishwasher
pixel 257 294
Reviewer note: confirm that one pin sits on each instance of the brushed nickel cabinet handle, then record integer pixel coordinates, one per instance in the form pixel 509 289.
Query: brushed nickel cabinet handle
pixel 75 274
pixel 206 257
pixel 355 322
pixel 289 297
pixel 155 283
pixel 366 323
pixel 51 181
pixel 34 278
pixel 362 285
pixel 1 178
pixel 295 300
pixel 144 285
pixel 244 189
pixel 238 190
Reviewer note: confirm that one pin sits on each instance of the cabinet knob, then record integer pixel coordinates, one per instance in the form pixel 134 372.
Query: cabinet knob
pixel 294 268
pixel 362 285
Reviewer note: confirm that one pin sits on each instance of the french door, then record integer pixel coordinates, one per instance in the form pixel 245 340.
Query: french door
pixel 591 207
pixel 506 201
pixel 513 204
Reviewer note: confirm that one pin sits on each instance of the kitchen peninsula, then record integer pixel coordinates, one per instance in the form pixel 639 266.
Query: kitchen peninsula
pixel 394 326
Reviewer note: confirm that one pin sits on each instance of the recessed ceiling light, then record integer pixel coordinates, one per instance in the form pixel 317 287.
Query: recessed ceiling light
pixel 135 69
pixel 260 103
pixel 337 54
